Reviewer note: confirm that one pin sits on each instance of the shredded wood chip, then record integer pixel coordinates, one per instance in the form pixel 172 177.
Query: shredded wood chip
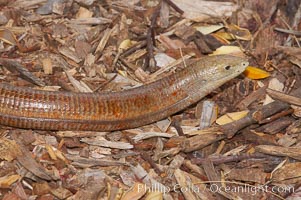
pixel 101 141
pixel 9 149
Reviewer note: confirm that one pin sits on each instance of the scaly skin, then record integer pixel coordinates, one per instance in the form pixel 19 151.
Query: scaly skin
pixel 45 110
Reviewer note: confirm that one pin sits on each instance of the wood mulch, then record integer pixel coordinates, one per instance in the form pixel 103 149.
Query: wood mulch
pixel 240 142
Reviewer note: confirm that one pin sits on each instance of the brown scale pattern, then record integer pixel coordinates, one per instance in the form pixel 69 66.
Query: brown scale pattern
pixel 35 109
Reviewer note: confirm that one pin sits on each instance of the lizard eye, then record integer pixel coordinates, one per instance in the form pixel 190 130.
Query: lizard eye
pixel 227 67
pixel 244 64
